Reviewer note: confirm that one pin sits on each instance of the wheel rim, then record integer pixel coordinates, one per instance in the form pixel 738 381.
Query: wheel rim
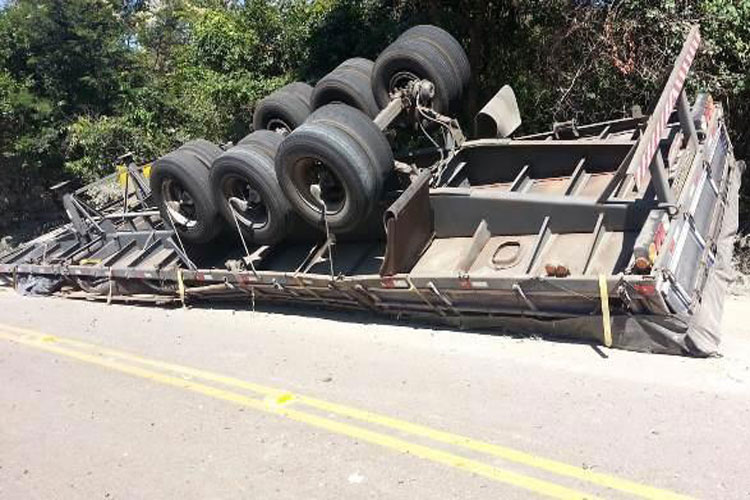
pixel 279 126
pixel 179 203
pixel 251 211
pixel 400 80
pixel 309 172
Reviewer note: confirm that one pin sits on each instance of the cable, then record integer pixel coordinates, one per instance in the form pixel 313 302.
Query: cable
pixel 317 192
pixel 441 167
pixel 242 237
pixel 433 141
pixel 179 240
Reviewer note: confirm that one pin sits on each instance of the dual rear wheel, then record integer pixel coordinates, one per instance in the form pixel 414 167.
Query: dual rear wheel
pixel 316 155
pixel 200 190
pixel 423 53
pixel 244 186
pixel 178 185
pixel 335 166
pixel 285 109
pixel 349 83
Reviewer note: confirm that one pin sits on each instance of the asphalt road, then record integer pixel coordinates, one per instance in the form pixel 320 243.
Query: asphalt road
pixel 124 402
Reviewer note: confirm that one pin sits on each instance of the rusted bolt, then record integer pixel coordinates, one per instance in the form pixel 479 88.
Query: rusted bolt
pixel 642 265
pixel 557 270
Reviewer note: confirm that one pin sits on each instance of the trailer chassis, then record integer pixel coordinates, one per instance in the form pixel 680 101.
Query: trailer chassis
pixel 617 232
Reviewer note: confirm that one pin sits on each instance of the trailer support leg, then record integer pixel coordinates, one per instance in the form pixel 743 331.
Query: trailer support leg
pixel 686 120
pixel 660 179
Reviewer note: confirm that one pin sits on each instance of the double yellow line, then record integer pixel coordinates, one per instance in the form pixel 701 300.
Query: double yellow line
pixel 281 403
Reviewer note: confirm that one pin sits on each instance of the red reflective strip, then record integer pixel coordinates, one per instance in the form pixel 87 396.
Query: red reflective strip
pixel 661 234
pixel 645 289
pixel 709 111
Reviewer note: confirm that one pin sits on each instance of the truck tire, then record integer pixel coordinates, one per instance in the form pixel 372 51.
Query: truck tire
pixel 247 172
pixel 336 153
pixel 283 110
pixel 300 88
pixel 206 151
pixel 349 83
pixel 362 64
pixel 179 185
pixel 414 58
pixel 448 43
pixel 371 137
pixel 264 140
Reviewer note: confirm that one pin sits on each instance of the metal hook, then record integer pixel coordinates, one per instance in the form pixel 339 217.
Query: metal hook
pixel 316 192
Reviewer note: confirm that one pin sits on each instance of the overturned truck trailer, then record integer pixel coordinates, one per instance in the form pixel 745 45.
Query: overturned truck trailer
pixel 619 232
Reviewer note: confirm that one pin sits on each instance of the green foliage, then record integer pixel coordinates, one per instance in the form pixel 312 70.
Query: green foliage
pixel 222 41
pixel 84 81
pixel 26 126
pixel 72 53
pixel 95 142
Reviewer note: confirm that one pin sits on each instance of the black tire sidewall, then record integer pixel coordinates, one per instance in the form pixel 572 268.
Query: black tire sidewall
pixel 191 174
pixel 290 104
pixel 204 150
pixel 265 140
pixel 413 56
pixel 360 64
pixel 448 42
pixel 363 129
pixel 348 86
pixel 256 168
pixel 346 158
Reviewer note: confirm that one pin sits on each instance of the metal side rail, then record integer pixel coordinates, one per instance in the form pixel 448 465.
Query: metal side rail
pixel 617 233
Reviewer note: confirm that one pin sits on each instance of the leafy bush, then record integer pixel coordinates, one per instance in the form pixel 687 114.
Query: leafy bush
pixel 93 144
pixel 83 81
